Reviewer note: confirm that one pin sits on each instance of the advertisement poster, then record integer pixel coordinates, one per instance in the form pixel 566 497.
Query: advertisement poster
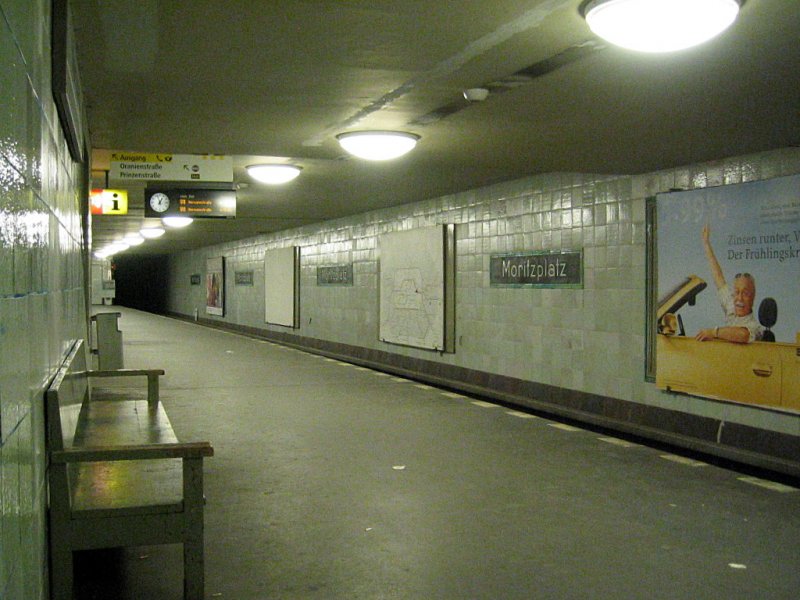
pixel 728 308
pixel 215 286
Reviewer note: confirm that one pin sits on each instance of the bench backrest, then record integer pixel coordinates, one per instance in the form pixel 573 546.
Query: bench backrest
pixel 65 396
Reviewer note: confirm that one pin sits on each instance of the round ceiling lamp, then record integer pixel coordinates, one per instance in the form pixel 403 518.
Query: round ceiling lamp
pixel 151 232
pixel 134 239
pixel 177 222
pixel 378 145
pixel 115 248
pixel 273 174
pixel 659 25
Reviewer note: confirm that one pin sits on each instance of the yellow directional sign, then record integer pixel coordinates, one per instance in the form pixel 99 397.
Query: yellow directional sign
pixel 171 167
pixel 108 202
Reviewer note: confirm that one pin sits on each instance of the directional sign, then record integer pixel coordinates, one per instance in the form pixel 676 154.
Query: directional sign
pixel 108 202
pixel 171 167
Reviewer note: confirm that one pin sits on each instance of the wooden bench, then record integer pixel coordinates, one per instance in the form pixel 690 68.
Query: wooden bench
pixel 117 474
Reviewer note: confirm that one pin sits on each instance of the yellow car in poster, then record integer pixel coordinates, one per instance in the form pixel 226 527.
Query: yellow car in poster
pixel 761 372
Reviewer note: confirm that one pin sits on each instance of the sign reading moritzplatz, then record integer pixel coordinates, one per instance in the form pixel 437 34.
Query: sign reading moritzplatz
pixel 537 269
pixel 335 275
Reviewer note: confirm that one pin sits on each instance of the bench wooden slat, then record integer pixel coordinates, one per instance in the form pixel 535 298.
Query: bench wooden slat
pixel 151 374
pixel 124 372
pixel 132 452
pixel 116 423
pixel 104 489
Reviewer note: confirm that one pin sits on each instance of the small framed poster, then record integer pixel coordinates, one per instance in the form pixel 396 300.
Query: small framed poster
pixel 215 286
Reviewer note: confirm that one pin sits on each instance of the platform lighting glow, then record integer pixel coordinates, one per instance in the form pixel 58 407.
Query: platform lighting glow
pixel 177 222
pixel 133 239
pixel 273 174
pixel 378 145
pixel 151 232
pixel 115 248
pixel 659 25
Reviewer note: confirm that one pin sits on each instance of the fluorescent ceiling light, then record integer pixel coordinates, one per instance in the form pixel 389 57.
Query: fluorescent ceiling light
pixel 659 25
pixel 378 145
pixel 273 174
pixel 133 239
pixel 151 232
pixel 177 222
pixel 115 248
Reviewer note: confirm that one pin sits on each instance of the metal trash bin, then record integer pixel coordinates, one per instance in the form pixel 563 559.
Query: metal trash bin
pixel 108 341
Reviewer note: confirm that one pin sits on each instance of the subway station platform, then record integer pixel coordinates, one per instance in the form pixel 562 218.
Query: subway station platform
pixel 332 481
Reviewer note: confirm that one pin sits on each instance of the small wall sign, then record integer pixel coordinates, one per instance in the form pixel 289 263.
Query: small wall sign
pixel 195 279
pixel 244 278
pixel 335 275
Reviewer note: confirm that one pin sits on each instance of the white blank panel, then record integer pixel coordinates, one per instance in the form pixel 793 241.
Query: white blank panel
pixel 280 286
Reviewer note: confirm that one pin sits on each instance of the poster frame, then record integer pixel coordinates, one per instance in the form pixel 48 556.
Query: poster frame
pixel 215 286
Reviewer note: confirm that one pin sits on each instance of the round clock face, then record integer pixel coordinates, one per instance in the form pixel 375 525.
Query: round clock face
pixel 159 202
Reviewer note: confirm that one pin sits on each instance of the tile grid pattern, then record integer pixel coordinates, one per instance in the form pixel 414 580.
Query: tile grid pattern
pixel 41 283
pixel 590 340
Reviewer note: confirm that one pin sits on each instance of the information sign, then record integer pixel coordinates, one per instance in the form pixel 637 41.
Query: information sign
pixel 195 203
pixel 171 167
pixel 108 202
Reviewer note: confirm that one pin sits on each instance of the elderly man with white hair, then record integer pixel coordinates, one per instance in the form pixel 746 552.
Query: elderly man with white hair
pixel 741 325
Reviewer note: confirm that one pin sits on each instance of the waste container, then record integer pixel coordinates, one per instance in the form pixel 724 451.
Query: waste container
pixel 108 340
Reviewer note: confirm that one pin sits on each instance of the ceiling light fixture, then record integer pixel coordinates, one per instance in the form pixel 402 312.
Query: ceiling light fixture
pixel 151 232
pixel 378 145
pixel 133 239
pixel 177 222
pixel 115 248
pixel 476 94
pixel 659 25
pixel 273 174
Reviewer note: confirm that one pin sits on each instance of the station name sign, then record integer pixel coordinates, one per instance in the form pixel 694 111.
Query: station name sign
pixel 189 202
pixel 144 166
pixel 537 269
pixel 335 275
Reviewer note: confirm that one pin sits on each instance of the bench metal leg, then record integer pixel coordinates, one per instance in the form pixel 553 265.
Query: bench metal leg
pixel 152 389
pixel 193 571
pixel 193 567
pixel 61 575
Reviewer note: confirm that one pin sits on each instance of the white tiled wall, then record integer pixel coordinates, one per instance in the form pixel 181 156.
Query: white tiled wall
pixel 41 293
pixel 589 339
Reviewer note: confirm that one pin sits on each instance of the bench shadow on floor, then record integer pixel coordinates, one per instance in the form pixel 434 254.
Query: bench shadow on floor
pixel 137 573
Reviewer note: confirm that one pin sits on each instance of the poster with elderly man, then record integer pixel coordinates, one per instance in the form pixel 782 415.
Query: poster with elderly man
pixel 728 292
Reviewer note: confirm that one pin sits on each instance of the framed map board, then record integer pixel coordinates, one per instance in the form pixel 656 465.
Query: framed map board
pixel 417 288
pixel 282 286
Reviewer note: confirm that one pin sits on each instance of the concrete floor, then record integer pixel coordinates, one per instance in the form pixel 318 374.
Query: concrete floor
pixel 332 481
